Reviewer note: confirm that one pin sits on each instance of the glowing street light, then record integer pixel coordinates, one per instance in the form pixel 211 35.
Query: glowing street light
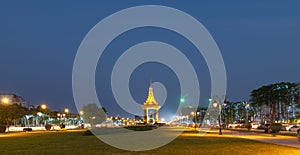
pixel 5 100
pixel 43 106
pixel 215 104
pixel 59 117
pixel 81 112
pixel 182 100
pixel 66 110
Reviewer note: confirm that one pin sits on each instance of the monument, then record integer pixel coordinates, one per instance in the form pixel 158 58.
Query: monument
pixel 150 108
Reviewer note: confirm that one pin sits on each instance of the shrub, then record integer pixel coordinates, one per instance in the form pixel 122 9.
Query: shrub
pixel 2 128
pixel 276 127
pixel 48 127
pixel 27 129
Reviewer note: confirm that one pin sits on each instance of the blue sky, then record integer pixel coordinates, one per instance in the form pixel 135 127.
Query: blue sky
pixel 259 42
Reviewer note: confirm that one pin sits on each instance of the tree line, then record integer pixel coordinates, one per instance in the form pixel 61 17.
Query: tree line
pixel 269 104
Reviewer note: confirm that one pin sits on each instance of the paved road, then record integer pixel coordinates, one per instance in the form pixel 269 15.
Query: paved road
pixel 268 138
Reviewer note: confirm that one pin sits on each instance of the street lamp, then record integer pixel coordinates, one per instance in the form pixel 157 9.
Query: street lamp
pixel 247 112
pixel 81 112
pixel 67 114
pixel 66 110
pixel 93 118
pixel 43 106
pixel 182 100
pixel 225 114
pixel 5 100
pixel 59 117
pixel 217 105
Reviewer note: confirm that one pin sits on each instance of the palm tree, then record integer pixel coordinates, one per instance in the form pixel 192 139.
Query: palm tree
pixel 273 100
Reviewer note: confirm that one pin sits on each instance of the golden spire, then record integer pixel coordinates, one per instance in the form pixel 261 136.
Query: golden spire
pixel 150 100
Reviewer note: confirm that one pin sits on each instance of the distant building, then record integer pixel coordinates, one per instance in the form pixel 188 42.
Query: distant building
pixel 30 106
pixel 138 118
pixel 11 98
pixel 196 113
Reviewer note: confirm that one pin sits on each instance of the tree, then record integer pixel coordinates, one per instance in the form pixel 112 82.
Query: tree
pixel 11 113
pixel 229 112
pixel 275 99
pixel 93 114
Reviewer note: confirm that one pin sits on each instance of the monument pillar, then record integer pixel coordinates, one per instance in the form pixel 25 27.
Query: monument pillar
pixel 156 116
pixel 145 116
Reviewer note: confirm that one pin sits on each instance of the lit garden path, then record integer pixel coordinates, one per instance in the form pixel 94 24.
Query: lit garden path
pixel 267 138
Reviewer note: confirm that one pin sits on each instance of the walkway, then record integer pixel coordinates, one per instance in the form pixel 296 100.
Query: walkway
pixel 267 138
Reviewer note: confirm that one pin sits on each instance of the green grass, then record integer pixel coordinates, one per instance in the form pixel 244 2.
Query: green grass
pixel 72 142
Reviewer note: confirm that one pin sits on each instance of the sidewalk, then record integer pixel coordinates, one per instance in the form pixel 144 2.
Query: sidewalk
pixel 290 141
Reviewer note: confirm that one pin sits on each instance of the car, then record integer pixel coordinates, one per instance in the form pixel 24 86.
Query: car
pixel 234 125
pixel 288 126
pixel 294 128
pixel 254 125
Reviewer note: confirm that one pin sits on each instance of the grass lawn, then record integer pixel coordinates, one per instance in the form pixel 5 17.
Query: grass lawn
pixel 72 142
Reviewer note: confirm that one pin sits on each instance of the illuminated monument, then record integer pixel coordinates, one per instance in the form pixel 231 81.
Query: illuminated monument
pixel 150 108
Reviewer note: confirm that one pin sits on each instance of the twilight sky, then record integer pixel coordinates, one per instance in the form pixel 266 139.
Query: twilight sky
pixel 259 42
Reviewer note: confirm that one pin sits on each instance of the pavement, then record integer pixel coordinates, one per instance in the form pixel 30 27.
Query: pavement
pixel 290 141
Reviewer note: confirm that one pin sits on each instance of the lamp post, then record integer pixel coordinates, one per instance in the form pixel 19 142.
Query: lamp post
pixel 225 114
pixel 93 118
pixel 66 111
pixel 182 100
pixel 43 108
pixel 248 125
pixel 247 112
pixel 59 117
pixel 288 120
pixel 217 105
pixel 67 115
